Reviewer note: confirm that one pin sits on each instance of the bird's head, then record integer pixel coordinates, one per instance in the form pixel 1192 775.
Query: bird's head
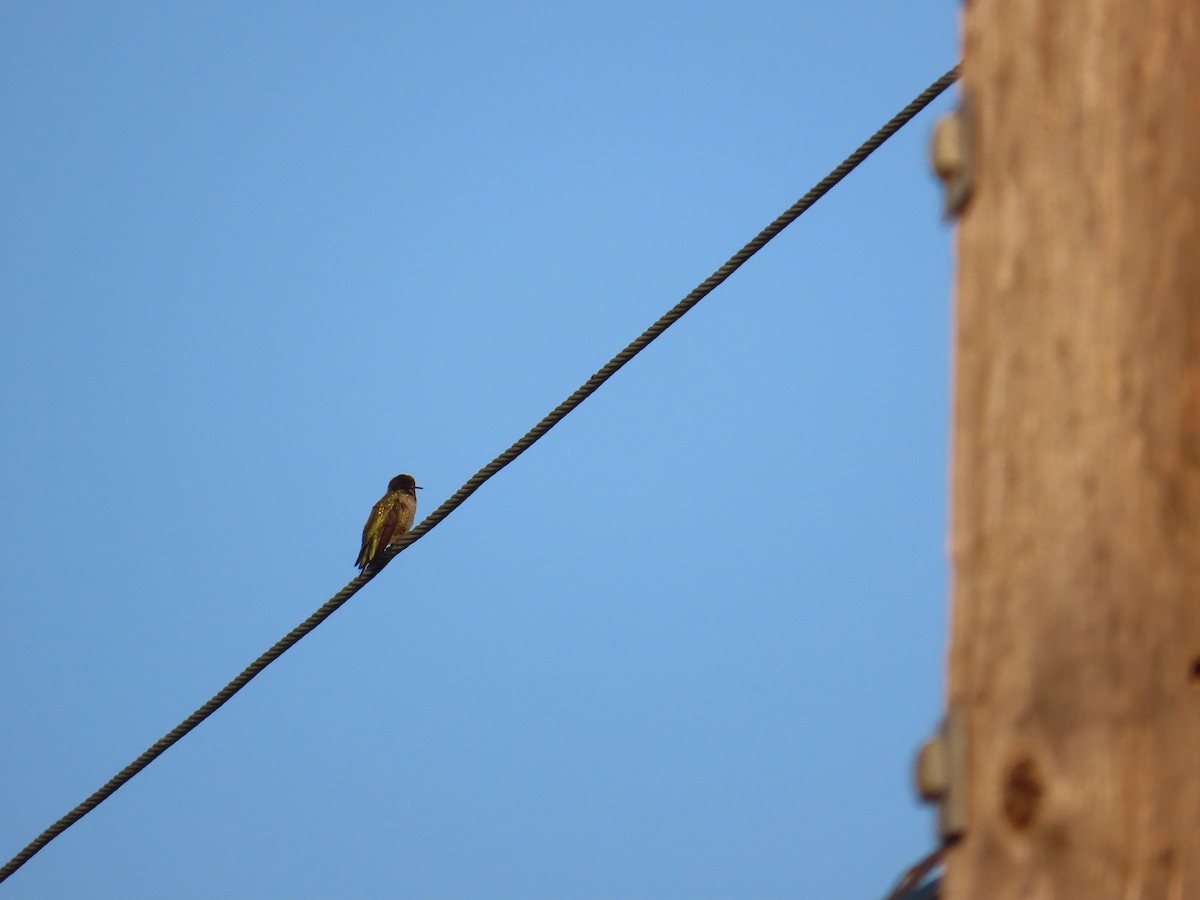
pixel 404 483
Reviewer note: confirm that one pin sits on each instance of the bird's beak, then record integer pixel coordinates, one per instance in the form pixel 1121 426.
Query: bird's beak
pixel 419 487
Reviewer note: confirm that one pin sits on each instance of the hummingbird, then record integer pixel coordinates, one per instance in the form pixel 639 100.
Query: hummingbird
pixel 390 518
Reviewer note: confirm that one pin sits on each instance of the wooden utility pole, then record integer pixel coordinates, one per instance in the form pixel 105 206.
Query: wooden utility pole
pixel 1075 649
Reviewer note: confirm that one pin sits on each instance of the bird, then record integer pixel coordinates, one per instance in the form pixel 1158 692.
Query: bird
pixel 390 519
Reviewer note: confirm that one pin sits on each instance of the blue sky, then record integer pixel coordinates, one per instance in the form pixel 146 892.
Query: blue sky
pixel 259 258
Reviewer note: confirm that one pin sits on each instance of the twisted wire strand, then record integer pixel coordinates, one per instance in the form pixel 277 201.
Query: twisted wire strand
pixel 675 313
pixel 476 481
pixel 914 884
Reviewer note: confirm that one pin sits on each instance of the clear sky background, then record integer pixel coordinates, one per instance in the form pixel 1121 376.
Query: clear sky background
pixel 258 258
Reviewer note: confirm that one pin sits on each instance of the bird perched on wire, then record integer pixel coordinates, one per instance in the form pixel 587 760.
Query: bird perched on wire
pixel 390 519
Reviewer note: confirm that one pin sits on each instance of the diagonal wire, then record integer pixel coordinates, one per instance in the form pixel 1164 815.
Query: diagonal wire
pixel 476 481
pixel 915 883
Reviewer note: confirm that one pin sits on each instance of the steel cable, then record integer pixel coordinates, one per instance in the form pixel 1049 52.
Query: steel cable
pixel 476 481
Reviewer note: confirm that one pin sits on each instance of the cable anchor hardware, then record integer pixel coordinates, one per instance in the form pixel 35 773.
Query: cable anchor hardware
pixel 941 775
pixel 952 153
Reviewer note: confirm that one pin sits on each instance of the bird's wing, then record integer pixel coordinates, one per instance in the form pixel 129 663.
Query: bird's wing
pixel 373 537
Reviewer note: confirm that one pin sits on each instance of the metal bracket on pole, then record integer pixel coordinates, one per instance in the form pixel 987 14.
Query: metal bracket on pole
pixel 952 151
pixel 941 775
